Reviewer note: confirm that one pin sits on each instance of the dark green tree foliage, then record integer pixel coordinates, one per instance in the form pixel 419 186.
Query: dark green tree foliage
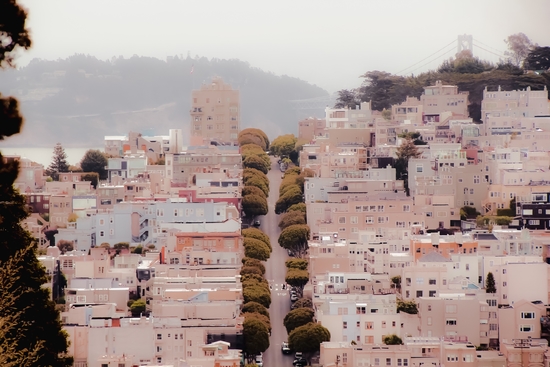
pixel 293 195
pixel 392 339
pixel 252 190
pixel 258 294
pixel 253 263
pixel 295 238
pixel 254 205
pixel 254 161
pixel 257 182
pixel 257 151
pixel 30 327
pixel 538 59
pixel 254 134
pixel 347 99
pixel 297 278
pixel 256 249
pixel 290 218
pixel 95 161
pixel 13 33
pixel 258 316
pixel 302 302
pixel 405 152
pixel 257 242
pixel 407 306
pixel 92 177
pixel 59 162
pixel 300 207
pixel 308 338
pixel 256 337
pixel 249 280
pixel 283 145
pixel 255 307
pixel 297 318
pixel 257 234
pixel 300 264
pixel 138 307
pixel 250 270
pixel 490 283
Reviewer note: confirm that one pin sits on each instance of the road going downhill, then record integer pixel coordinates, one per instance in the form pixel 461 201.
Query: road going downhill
pixel 275 275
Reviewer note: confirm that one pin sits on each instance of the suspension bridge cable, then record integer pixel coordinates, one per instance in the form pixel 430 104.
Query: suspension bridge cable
pixel 486 45
pixel 429 62
pixel 444 47
pixel 491 52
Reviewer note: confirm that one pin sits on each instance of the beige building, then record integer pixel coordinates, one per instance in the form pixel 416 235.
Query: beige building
pixel 215 112
pixel 441 98
pixel 310 128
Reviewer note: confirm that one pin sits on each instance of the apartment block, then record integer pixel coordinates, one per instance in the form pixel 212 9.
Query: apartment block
pixel 215 112
pixel 310 128
pixel 441 98
pixel 182 167
pixel 513 104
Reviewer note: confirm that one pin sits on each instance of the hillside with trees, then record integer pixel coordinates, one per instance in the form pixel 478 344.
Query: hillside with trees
pixel 527 65
pixel 61 98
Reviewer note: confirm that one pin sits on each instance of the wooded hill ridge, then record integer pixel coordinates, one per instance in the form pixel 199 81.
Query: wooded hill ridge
pixel 80 99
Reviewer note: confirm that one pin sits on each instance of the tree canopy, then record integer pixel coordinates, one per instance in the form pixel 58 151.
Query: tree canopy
pixel 293 195
pixel 252 190
pixel 283 145
pixel 256 336
pixel 407 306
pixel 392 339
pixel 290 218
pixel 538 59
pixel 31 333
pixel 95 161
pixel 308 338
pixel 257 234
pixel 254 205
pixel 258 294
pixel 297 278
pixel 302 302
pixel 255 307
pixel 254 161
pixel 254 263
pixel 300 207
pixel 251 135
pixel 347 99
pixel 405 152
pixel 293 263
pixel 490 283
pixel 518 48
pixel 59 162
pixel 297 318
pixel 256 249
pixel 295 238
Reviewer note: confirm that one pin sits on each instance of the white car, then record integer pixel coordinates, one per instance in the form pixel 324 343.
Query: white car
pixel 259 360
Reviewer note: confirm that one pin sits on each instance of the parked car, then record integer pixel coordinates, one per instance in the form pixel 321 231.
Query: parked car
pixel 259 360
pixel 257 223
pixel 299 359
pixel 285 348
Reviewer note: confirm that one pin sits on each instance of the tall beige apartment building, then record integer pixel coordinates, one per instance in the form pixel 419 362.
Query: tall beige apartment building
pixel 215 112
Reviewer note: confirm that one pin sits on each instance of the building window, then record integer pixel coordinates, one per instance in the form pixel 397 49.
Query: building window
pixel 369 325
pixel 527 315
pixel 419 168
pixel 345 325
pixel 525 328
pixel 388 361
pixel 377 361
pixel 451 322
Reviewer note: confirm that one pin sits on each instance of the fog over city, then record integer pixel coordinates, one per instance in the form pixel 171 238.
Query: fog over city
pixel 327 43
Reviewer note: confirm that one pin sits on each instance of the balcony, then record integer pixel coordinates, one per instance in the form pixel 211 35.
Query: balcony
pixel 338 290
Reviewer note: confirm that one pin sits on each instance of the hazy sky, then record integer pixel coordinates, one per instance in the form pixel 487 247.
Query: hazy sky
pixel 325 42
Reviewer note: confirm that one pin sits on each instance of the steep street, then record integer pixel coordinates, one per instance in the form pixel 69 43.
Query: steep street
pixel 275 274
